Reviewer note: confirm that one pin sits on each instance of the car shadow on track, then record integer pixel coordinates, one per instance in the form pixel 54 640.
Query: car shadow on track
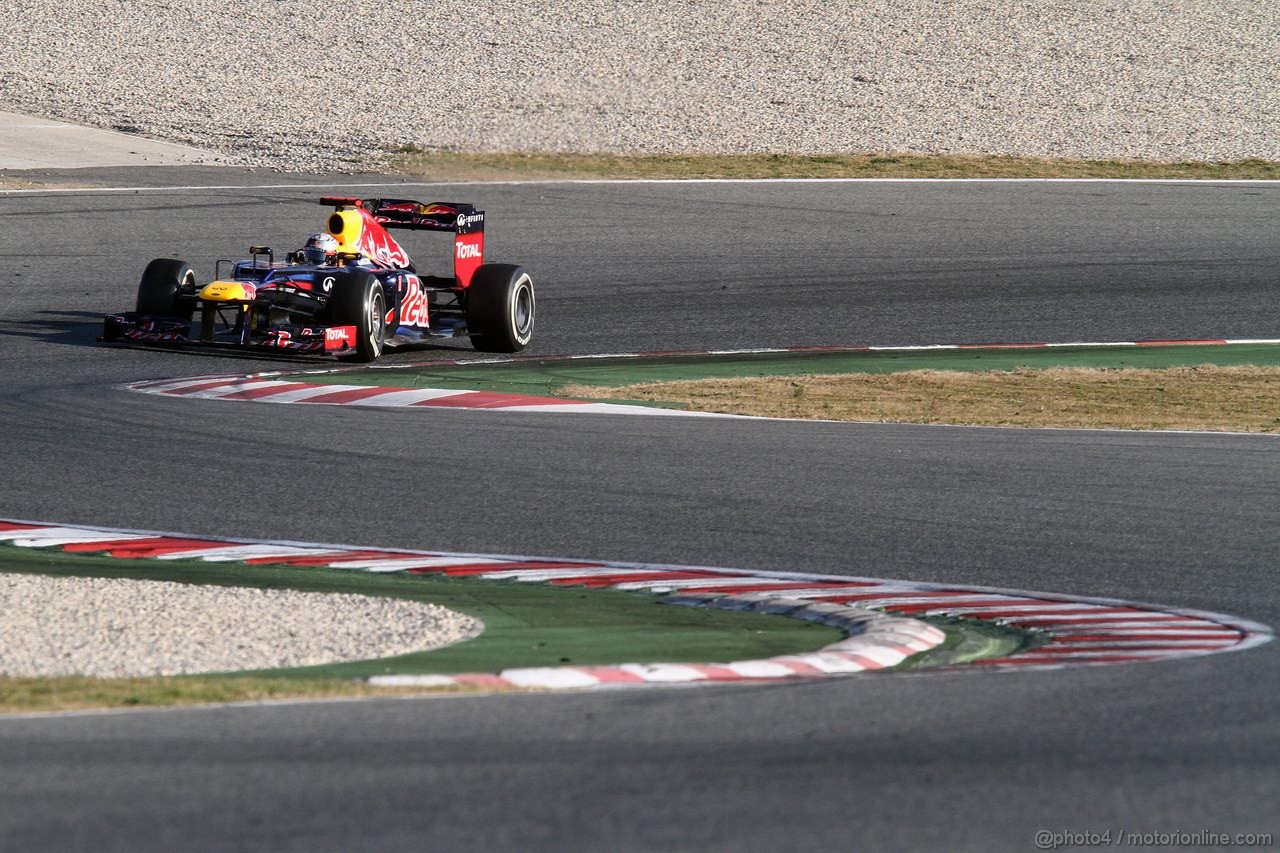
pixel 84 329
pixel 72 328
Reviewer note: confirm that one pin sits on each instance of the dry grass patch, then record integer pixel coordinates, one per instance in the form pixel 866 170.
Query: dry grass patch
pixel 1242 399
pixel 18 184
pixel 73 693
pixel 462 166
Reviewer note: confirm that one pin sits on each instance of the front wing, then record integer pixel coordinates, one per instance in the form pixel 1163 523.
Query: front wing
pixel 132 327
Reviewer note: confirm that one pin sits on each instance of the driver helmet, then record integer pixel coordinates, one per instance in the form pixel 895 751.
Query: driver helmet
pixel 320 249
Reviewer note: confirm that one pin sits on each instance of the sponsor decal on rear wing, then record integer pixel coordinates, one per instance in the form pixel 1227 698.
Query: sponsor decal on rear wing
pixel 453 216
pixel 464 220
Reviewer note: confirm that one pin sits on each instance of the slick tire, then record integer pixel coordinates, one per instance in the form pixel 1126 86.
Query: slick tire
pixel 167 289
pixel 500 308
pixel 357 299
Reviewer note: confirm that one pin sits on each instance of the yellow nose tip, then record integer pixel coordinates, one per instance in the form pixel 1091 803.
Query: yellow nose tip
pixel 223 291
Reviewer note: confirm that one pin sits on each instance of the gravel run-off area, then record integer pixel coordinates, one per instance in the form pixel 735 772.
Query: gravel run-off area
pixel 301 86
pixel 110 627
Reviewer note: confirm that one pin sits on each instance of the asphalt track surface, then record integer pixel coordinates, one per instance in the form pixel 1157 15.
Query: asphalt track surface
pixel 974 761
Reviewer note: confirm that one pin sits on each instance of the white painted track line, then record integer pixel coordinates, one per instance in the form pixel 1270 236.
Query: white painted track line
pixel 398 185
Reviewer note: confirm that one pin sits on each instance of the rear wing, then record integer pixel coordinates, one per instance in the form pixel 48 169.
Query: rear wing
pixel 463 220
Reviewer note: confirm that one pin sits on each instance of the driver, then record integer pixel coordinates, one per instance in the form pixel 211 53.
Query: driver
pixel 321 249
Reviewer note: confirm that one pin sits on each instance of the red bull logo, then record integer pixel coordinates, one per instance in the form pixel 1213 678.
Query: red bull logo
pixel 357 230
pixel 415 311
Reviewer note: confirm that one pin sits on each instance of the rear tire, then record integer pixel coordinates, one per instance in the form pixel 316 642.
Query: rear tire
pixel 357 299
pixel 167 289
pixel 500 308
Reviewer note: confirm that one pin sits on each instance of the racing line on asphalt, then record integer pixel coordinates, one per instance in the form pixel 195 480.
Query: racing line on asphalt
pixel 1180 520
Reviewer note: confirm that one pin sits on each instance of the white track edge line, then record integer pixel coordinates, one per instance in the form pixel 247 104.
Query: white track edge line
pixel 637 181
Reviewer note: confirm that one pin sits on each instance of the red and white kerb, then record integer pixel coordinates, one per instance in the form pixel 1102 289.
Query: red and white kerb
pixel 881 617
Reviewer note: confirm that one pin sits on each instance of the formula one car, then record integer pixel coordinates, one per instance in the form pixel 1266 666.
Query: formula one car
pixel 350 293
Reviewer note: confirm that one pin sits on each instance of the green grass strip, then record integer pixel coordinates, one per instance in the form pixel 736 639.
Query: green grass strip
pixel 525 624
pixel 969 640
pixel 546 377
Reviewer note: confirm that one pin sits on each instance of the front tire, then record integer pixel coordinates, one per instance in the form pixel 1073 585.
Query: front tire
pixel 167 289
pixel 500 308
pixel 357 299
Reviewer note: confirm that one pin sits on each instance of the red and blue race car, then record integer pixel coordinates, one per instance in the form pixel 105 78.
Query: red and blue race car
pixel 351 293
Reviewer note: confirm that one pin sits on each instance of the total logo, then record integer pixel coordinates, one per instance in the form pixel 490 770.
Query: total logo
pixel 338 334
pixel 469 250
